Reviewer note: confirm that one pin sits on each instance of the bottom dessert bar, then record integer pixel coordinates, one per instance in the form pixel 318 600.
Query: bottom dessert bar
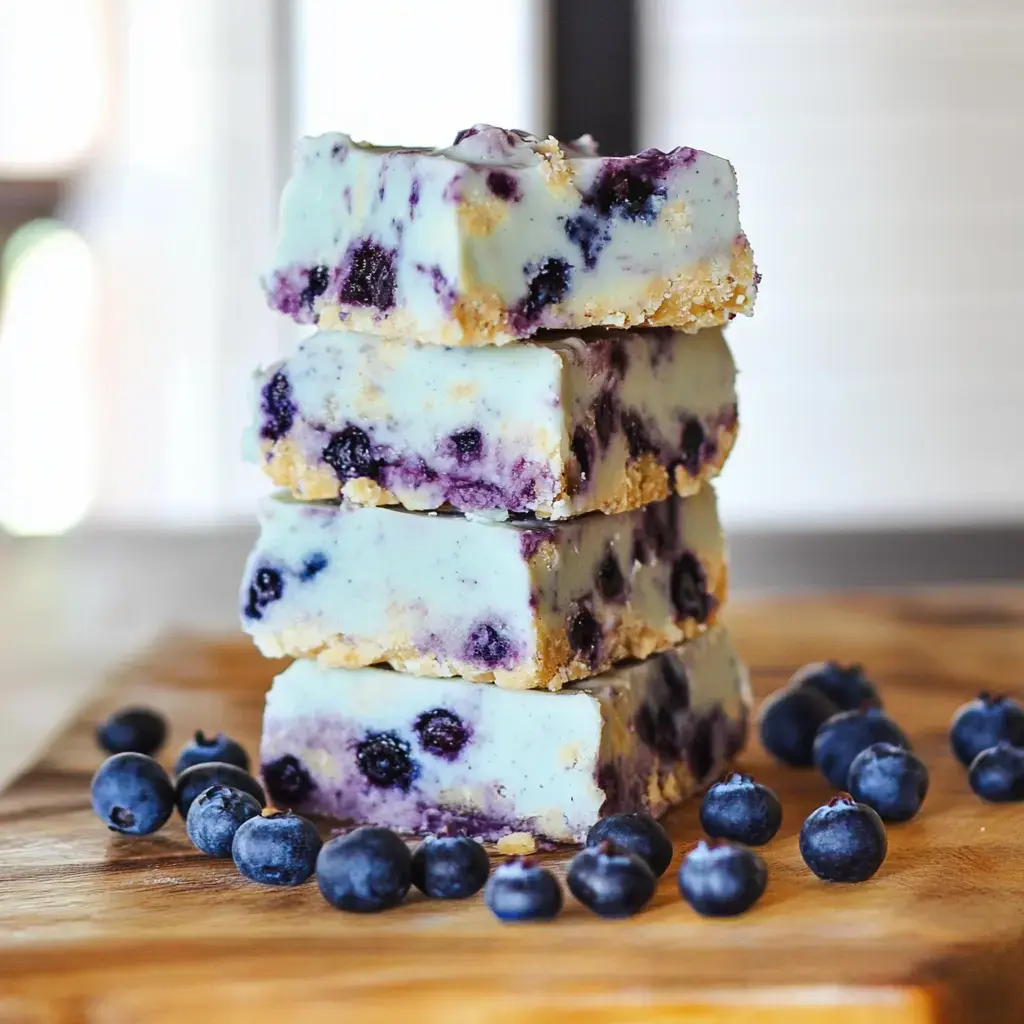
pixel 423 755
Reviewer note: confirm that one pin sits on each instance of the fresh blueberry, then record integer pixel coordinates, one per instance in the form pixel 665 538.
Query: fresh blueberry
pixel 132 730
pixel 132 794
pixel 846 686
pixel 584 634
pixel 604 418
pixel 192 781
pixel 610 881
pixel 741 809
pixel 449 867
pixel 489 645
pixel 468 445
pixel 789 721
pixel 846 734
pixel 442 733
pixel 688 586
pixel 640 834
pixel 204 749
pixel 266 587
pixel 348 453
pixel 521 890
pixel 287 780
pixel 276 407
pixel 385 760
pixel 547 287
pixel 722 880
pixel 276 849
pixel 637 439
pixel 890 779
pixel 691 445
pixel 983 723
pixel 367 870
pixel 611 583
pixel 844 841
pixel 583 452
pixel 215 817
pixel 371 276
pixel 997 774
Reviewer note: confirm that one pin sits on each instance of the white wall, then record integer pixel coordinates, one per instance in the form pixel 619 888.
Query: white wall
pixel 880 154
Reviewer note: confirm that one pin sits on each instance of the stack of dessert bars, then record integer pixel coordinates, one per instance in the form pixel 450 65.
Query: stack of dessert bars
pixel 496 556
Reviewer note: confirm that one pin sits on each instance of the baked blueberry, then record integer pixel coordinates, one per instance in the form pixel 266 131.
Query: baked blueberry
pixel 318 279
pixel 983 723
pixel 691 445
pixel 788 722
pixel 688 586
pixel 997 774
pixel 722 880
pixel 192 781
pixel 276 849
pixel 847 687
pixel 547 287
pixel 367 870
pixel 204 749
pixel 216 815
pixel 131 793
pixel 604 417
pixel 132 730
pixel 610 881
pixel 583 452
pixel 638 834
pixel 287 780
pixel 637 439
pixel 584 635
pixel 741 809
pixel 890 779
pixel 844 841
pixel 449 867
pixel 846 734
pixel 504 186
pixel 348 454
pixel 521 890
pixel 385 760
pixel 442 733
pixel 611 583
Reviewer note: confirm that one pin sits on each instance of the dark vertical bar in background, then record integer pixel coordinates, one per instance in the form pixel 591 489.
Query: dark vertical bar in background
pixel 593 71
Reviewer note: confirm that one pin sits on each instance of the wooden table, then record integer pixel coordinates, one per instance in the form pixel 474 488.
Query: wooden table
pixel 99 927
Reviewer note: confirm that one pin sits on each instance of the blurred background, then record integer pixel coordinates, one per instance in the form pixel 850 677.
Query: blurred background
pixel 879 149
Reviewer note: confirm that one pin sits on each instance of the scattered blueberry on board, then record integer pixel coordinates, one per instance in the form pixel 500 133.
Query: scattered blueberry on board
pixel 789 721
pixel 521 890
pixel 450 867
pixel 722 880
pixel 984 722
pixel 610 881
pixel 844 841
pixel 997 774
pixel 741 809
pixel 204 749
pixel 132 794
pixel 846 686
pixel 132 730
pixel 369 869
pixel 845 735
pixel 890 779
pixel 276 849
pixel 192 781
pixel 216 815
pixel 637 833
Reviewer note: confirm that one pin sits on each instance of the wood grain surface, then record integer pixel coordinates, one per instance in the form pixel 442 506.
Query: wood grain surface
pixel 97 927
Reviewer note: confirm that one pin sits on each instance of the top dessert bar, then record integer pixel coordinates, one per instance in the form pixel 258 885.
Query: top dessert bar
pixel 502 234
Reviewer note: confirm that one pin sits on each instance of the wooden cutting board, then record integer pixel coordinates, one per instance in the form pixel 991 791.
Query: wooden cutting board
pixel 102 928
